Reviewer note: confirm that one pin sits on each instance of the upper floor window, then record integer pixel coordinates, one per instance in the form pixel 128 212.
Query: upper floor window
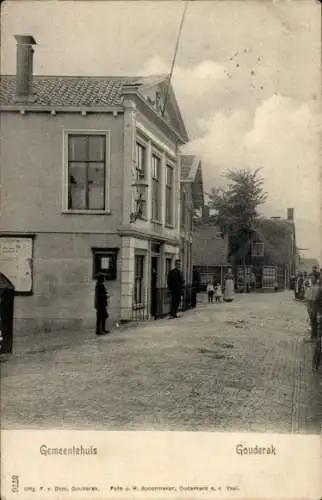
pixel 140 161
pixel 156 168
pixel 257 249
pixel 169 195
pixel 87 171
pixel 140 165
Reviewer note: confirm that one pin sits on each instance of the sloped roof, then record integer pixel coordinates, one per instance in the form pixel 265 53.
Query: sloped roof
pixel 187 162
pixel 73 90
pixel 277 238
pixel 191 172
pixel 208 247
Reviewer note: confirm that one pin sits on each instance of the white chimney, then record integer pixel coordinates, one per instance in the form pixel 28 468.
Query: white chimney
pixel 24 74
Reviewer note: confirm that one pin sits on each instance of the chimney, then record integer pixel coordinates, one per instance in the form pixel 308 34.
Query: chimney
pixel 290 214
pixel 24 72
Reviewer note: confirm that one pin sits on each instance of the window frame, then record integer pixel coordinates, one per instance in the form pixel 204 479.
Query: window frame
pixel 107 186
pixel 156 154
pixel 258 244
pixel 141 178
pixel 105 252
pixel 169 165
pixel 140 144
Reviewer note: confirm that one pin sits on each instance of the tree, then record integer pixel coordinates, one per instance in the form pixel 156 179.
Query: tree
pixel 236 206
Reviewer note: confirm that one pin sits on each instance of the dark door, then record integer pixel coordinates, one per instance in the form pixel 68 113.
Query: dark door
pixel 154 283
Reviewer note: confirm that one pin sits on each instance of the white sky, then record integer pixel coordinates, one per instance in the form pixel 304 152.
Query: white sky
pixel 265 112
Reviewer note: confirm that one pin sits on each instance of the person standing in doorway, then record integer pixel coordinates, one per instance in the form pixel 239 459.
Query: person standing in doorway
pixel 101 302
pixel 175 285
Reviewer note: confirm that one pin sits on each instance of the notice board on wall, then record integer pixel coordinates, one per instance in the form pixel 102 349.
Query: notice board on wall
pixel 16 261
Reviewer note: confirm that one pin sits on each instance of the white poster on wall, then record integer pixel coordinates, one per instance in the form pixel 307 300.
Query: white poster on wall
pixel 105 263
pixel 16 261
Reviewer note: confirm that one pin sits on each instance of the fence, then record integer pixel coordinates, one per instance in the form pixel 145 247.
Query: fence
pixel 161 304
pixel 263 277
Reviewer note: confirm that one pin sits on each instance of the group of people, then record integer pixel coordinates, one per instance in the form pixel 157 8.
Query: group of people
pixel 299 283
pixel 214 289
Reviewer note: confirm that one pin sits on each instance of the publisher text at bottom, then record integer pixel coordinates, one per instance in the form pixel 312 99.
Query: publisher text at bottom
pixel 171 489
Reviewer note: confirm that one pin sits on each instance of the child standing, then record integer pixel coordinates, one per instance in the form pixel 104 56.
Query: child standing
pixel 218 292
pixel 210 291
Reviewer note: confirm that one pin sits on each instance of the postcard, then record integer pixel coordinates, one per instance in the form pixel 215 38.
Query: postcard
pixel 160 250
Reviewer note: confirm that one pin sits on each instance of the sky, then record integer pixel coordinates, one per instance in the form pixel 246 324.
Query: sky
pixel 247 79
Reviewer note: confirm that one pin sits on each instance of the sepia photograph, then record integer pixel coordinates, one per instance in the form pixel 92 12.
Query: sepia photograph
pixel 160 216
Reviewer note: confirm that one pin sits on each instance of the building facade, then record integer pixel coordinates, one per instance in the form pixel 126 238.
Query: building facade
pixel 90 182
pixel 192 200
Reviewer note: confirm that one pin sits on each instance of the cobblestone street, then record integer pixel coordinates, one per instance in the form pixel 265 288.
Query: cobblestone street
pixel 243 366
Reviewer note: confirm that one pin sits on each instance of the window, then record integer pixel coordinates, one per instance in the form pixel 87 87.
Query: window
pixel 156 162
pixel 105 262
pixel 269 276
pixel 140 176
pixel 87 172
pixel 169 196
pixel 138 280
pixel 257 249
pixel 140 161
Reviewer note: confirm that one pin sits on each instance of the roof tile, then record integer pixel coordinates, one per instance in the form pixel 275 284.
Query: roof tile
pixel 70 90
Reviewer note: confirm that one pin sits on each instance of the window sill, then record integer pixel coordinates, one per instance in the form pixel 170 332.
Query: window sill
pixel 169 226
pixel 87 212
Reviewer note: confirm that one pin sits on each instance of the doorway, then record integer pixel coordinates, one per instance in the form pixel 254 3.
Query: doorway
pixel 154 285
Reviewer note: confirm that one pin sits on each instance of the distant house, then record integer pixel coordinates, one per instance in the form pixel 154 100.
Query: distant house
pixel 90 182
pixel 270 253
pixel 210 249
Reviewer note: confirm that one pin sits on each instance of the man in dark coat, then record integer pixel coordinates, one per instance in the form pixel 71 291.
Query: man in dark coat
pixel 101 299
pixel 175 285
pixel 195 287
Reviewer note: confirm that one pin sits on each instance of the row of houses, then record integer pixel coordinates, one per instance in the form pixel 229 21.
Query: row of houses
pixel 269 258
pixel 92 180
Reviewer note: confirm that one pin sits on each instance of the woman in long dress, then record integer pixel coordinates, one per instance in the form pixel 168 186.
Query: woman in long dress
pixel 229 287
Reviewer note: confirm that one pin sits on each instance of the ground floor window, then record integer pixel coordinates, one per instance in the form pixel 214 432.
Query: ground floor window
pixel 139 298
pixel 269 276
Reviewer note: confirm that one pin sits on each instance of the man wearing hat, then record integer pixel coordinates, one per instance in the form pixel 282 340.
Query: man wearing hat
pixel 101 301
pixel 175 285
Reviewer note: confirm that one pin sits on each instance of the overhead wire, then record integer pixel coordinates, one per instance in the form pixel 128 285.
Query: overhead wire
pixel 174 57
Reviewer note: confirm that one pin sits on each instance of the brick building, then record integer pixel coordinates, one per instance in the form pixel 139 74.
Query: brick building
pixel 90 182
